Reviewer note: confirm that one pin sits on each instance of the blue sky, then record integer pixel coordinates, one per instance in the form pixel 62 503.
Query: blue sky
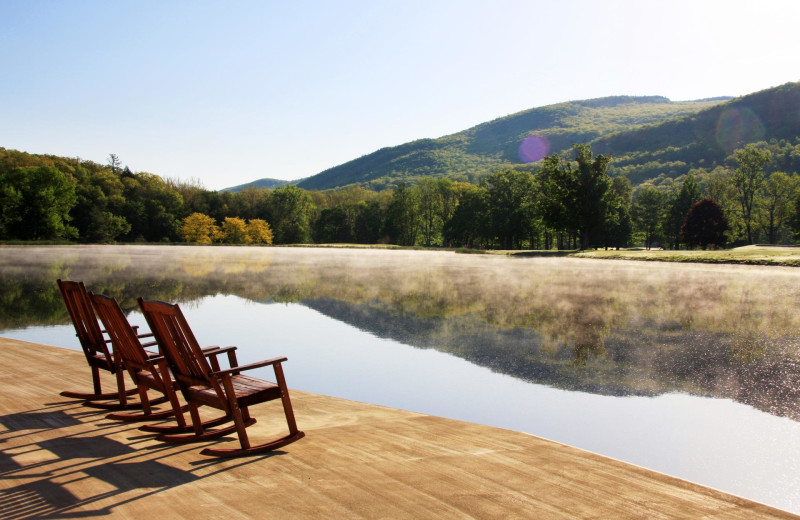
pixel 230 92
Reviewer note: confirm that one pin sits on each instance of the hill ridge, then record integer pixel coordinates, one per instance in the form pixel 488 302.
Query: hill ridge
pixel 647 136
pixel 483 148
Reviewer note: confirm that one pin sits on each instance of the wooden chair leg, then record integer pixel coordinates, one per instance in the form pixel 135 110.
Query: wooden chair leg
pixel 241 415
pixel 287 402
pixel 173 399
pixel 241 428
pixel 197 424
pixel 169 391
pixel 177 410
pixel 96 380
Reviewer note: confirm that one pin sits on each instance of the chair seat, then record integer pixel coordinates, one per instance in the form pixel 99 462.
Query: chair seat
pixel 248 390
pixel 147 379
pixel 99 360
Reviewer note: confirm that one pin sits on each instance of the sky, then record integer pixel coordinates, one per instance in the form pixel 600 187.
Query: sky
pixel 225 93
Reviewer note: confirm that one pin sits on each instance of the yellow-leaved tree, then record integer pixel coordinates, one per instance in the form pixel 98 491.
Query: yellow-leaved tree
pixel 234 231
pixel 199 228
pixel 259 232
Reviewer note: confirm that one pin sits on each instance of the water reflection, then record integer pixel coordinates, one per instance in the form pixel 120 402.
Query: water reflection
pixel 607 327
pixel 662 336
pixel 716 442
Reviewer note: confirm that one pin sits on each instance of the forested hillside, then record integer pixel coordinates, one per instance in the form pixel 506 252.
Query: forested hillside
pixel 260 183
pixel 722 173
pixel 646 137
pixel 705 139
pixel 481 150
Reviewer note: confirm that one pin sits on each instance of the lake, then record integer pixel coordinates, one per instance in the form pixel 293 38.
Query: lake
pixel 688 369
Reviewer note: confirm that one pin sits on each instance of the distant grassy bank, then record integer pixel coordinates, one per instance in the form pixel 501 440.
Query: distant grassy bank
pixel 754 255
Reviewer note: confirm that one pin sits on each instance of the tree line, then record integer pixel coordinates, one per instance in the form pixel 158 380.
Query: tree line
pixel 566 202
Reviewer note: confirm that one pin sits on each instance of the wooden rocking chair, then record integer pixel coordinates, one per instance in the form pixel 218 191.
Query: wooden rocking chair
pixel 146 371
pixel 137 361
pixel 95 348
pixel 202 383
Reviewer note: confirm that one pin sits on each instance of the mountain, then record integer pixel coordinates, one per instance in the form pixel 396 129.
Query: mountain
pixel 706 138
pixel 647 137
pixel 260 183
pixel 480 150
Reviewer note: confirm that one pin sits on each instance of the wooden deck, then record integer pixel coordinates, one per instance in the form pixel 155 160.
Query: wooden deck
pixel 61 460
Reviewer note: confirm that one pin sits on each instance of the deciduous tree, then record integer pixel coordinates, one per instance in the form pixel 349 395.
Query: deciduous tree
pixel 369 222
pixel 36 202
pixel 511 205
pixel 467 226
pixel 705 225
pixel 648 211
pixel 199 228
pixel 152 208
pixel 678 206
pixel 290 211
pixel 234 231
pixel 780 191
pixel 259 232
pixel 402 216
pixel 748 179
pixel 592 185
pixel 619 224
pixel 431 203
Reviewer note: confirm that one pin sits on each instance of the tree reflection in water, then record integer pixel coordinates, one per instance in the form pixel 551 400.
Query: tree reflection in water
pixel 608 327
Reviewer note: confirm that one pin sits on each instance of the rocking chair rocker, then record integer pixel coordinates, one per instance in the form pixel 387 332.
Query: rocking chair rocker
pixel 202 382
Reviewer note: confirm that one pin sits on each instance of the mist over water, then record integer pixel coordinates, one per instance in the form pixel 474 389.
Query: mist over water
pixel 688 369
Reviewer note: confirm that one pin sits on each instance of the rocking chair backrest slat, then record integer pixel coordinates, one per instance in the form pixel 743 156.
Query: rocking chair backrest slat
pixel 178 344
pixel 122 335
pixel 90 336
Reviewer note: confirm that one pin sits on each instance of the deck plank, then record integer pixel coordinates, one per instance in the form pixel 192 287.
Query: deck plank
pixel 357 461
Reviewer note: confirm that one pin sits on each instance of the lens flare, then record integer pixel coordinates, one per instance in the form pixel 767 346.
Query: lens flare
pixel 738 126
pixel 533 148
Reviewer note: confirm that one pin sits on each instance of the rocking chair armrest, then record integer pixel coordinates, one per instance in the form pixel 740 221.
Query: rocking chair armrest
pixel 250 366
pixel 216 350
